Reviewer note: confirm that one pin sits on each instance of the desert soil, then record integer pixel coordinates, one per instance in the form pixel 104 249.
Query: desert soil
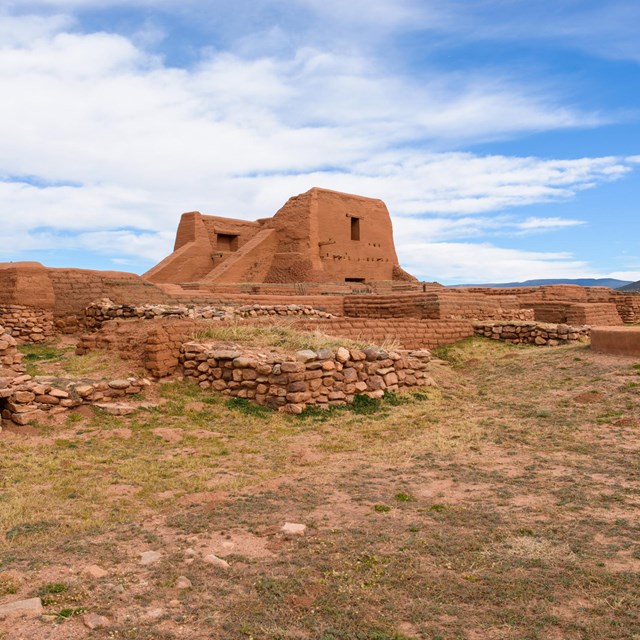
pixel 502 504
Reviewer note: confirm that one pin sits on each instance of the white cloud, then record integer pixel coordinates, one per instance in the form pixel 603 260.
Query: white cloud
pixel 459 262
pixel 236 135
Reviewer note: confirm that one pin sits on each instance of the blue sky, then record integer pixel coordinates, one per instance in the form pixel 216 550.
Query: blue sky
pixel 503 135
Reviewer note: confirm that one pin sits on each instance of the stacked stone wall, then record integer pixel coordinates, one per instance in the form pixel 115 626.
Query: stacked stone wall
pixel 27 324
pixel 536 333
pixel 628 307
pixel 106 310
pixel 326 377
pixel 10 357
pixel 26 400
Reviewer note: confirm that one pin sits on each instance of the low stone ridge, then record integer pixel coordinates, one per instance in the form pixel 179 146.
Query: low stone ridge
pixel 25 399
pixel 290 383
pixel 537 333
pixel 101 311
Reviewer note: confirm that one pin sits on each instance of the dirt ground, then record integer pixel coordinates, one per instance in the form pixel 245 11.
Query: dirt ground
pixel 503 504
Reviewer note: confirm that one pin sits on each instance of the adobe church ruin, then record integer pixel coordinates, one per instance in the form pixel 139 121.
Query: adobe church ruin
pixel 317 236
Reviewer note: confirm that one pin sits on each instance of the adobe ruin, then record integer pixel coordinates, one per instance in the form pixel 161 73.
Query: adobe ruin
pixel 324 262
pixel 317 236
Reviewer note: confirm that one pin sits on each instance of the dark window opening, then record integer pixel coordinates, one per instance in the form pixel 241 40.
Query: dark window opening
pixel 3 404
pixel 227 242
pixel 354 279
pixel 355 228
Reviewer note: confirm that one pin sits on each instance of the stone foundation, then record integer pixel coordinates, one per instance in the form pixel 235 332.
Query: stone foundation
pixel 292 383
pixel 24 399
pixel 531 332
pixel 101 311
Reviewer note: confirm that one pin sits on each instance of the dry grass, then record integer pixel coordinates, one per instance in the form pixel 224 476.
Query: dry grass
pixel 281 334
pixel 502 504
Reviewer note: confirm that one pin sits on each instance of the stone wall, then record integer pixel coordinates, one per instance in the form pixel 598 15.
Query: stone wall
pixel 531 332
pixel 101 311
pixel 27 324
pixel 24 399
pixel 10 357
pixel 326 377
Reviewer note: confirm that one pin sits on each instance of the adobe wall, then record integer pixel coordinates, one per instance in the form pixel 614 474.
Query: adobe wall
pixel 622 341
pixel 409 333
pixel 65 293
pixel 440 305
pixel 317 241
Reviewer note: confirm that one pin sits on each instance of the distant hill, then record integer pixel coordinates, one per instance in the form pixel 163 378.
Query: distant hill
pixel 632 286
pixel 583 282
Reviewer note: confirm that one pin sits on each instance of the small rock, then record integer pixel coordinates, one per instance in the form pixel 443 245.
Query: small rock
pixel 183 583
pixel 149 557
pixel 115 408
pixel 30 607
pixel 95 571
pixel 119 384
pixel 94 621
pixel 217 562
pixel 293 529
pixel 152 614
pixel 306 355
pixel 189 552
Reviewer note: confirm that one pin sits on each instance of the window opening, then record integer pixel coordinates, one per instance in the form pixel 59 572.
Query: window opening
pixel 355 228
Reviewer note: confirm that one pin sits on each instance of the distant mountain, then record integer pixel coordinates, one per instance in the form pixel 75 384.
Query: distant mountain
pixel 632 286
pixel 583 282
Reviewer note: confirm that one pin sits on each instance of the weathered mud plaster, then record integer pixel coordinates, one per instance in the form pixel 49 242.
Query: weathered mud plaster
pixel 317 236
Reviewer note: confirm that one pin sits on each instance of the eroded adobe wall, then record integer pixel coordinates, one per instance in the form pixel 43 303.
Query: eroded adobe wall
pixel 65 293
pixel 409 333
pixel 436 305
pixel 372 256
pixel 622 341
pixel 594 314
